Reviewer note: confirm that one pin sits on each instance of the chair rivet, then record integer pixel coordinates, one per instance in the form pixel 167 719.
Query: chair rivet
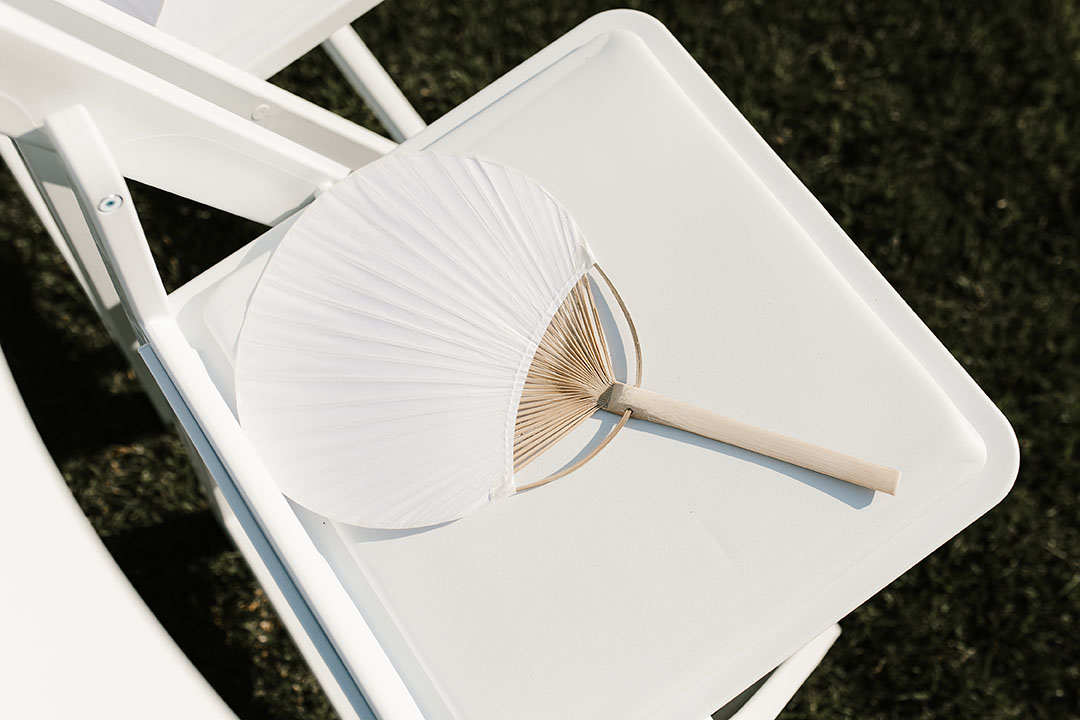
pixel 110 203
pixel 260 112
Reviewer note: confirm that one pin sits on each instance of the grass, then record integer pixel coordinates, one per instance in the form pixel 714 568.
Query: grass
pixel 944 138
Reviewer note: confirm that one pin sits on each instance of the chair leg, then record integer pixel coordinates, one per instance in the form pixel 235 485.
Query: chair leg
pixel 48 192
pixel 772 694
pixel 373 84
pixel 14 161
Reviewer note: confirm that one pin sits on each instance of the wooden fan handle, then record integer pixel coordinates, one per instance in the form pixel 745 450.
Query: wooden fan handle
pixel 647 405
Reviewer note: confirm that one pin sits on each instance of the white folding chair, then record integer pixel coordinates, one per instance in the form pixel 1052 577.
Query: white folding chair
pixel 634 608
pixel 256 37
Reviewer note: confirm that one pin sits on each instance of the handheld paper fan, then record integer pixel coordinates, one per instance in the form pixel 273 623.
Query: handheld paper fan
pixel 428 327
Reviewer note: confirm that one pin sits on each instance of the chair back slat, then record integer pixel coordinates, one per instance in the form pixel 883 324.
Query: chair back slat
pixel 158 133
pixel 260 36
pixel 188 67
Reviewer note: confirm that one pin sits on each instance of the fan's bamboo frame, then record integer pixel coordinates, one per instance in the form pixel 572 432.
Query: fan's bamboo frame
pixel 552 383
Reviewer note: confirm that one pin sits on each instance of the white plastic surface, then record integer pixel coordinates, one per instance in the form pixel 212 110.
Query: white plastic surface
pixel 260 36
pixel 669 574
pixel 77 639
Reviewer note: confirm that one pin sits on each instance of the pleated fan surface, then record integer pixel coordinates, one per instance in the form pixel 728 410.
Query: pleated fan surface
pixel 383 353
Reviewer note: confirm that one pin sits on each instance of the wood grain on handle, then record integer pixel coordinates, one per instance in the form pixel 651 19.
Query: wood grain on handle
pixel 647 405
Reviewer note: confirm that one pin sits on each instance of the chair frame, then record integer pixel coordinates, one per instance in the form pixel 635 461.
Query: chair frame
pixel 71 154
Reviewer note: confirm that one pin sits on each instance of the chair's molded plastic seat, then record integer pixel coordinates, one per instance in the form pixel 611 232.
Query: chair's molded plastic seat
pixel 669 574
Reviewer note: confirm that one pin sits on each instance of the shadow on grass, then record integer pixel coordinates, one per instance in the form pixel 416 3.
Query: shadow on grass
pixel 63 378
pixel 186 571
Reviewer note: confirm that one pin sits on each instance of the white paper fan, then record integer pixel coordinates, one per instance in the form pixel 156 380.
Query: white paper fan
pixel 426 328
pixel 385 348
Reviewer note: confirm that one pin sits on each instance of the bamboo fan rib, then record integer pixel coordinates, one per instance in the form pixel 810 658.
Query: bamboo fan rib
pixel 570 370
pixel 389 341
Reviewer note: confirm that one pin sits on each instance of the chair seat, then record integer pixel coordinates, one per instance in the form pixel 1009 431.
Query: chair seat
pixel 670 572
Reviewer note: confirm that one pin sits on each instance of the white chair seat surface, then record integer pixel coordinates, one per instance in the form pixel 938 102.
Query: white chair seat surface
pixel 670 572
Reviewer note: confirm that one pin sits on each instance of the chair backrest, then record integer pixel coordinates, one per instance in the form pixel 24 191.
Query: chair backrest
pixel 260 36
pixel 154 132
pixel 158 133
pixel 178 62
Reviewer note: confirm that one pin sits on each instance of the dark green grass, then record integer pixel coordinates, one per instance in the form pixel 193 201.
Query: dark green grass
pixel 943 138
